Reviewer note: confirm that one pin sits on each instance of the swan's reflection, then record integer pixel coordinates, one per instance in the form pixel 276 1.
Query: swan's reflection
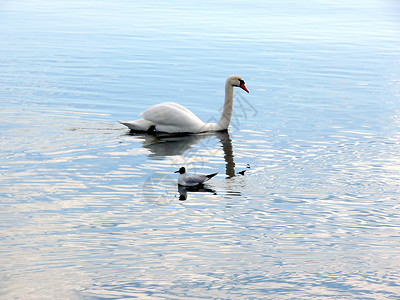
pixel 199 188
pixel 163 145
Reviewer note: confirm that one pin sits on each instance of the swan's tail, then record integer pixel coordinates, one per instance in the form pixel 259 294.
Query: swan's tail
pixel 138 125
pixel 123 123
pixel 127 124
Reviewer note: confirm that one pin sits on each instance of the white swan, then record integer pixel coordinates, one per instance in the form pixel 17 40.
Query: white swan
pixel 171 117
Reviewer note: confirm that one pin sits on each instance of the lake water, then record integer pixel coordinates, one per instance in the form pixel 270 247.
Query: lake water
pixel 89 211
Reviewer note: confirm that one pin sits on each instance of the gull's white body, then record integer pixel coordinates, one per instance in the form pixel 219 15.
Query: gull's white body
pixel 186 180
pixel 171 117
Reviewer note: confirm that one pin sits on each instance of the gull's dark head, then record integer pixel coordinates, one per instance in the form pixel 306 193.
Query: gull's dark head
pixel 182 170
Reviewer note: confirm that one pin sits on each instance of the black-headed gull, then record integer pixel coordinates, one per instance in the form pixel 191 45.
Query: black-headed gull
pixel 186 180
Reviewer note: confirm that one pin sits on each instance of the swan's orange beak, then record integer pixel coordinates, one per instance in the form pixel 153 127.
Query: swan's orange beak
pixel 244 87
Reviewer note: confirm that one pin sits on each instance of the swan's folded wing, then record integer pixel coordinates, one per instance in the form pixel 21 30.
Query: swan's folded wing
pixel 171 114
pixel 181 107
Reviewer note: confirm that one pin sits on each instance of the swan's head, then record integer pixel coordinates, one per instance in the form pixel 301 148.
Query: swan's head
pixel 182 170
pixel 235 80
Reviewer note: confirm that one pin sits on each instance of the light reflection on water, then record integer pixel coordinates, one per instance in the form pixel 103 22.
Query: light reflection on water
pixel 105 211
pixel 91 211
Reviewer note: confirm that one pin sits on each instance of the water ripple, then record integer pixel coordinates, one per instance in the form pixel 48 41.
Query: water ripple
pixel 306 200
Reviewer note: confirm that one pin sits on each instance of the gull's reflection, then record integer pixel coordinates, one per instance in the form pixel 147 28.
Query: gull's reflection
pixel 183 190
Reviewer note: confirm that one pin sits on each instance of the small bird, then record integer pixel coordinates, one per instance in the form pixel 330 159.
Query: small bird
pixel 186 180
pixel 242 172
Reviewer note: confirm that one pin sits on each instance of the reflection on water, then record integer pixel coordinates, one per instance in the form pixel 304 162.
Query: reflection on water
pixel 183 191
pixel 164 145
pixel 158 188
pixel 306 203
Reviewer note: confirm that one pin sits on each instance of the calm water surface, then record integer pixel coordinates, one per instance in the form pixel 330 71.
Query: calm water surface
pixel 89 211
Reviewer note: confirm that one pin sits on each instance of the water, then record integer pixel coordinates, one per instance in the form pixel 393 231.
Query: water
pixel 89 211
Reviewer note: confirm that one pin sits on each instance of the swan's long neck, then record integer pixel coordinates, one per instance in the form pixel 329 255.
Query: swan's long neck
pixel 226 115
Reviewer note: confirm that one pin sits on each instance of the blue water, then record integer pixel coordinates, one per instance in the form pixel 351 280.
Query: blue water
pixel 89 211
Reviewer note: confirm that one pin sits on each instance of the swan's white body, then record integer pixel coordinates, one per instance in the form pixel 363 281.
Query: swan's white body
pixel 171 117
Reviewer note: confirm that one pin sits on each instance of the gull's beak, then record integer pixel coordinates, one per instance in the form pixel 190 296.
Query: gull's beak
pixel 176 171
